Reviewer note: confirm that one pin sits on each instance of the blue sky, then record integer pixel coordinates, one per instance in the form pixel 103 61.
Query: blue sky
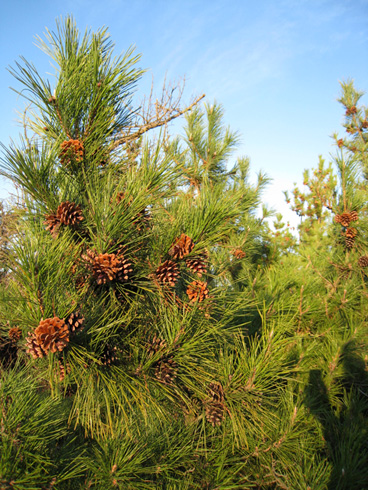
pixel 275 66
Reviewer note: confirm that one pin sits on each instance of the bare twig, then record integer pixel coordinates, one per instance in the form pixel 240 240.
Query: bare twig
pixel 156 114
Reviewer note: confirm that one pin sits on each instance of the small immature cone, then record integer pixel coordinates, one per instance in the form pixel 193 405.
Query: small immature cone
pixel 181 247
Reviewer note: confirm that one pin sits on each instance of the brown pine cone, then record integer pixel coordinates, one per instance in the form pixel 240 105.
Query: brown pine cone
pixel 354 216
pixel 52 224
pixel 181 247
pixel 238 253
pixel 71 150
pixel 33 348
pixel 198 264
pixel 63 370
pixel 109 355
pixel 214 413
pixel 52 335
pixel 349 242
pixel 69 213
pixel 351 232
pixel 197 290
pixel 168 272
pixel 345 219
pixel 166 370
pixel 15 334
pixel 363 261
pixel 216 391
pixel 75 322
pixel 155 345
pixel 108 267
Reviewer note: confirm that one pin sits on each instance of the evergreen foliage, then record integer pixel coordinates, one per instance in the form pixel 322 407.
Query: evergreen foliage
pixel 154 333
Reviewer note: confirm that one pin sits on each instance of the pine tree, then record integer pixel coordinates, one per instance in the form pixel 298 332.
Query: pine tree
pixel 117 300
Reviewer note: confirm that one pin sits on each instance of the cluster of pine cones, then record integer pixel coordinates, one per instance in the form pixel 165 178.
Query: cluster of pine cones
pixel 350 233
pixel 168 271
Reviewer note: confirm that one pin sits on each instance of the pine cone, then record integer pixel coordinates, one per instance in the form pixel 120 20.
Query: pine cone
pixel 33 348
pixel 238 253
pixel 167 272
pixel 363 261
pixel 216 392
pixel 351 232
pixel 52 224
pixel 198 264
pixel 15 334
pixel 69 213
pixel 197 290
pixel 214 413
pixel 51 335
pixel 71 150
pixel 63 370
pixel 155 345
pixel 181 247
pixel 345 219
pixel 109 355
pixel 75 322
pixel 166 370
pixel 108 267
pixel 141 221
pixel 349 242
pixel 354 216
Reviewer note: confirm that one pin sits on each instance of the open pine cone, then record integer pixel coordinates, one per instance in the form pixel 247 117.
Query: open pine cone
pixel 52 223
pixel 345 218
pixel 15 334
pixel 198 264
pixel 69 213
pixel 51 335
pixel 214 413
pixel 75 322
pixel 71 150
pixel 168 272
pixel 108 267
pixel 215 408
pixel 155 345
pixel 181 247
pixel 363 261
pixel 197 291
pixel 238 253
pixel 165 370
